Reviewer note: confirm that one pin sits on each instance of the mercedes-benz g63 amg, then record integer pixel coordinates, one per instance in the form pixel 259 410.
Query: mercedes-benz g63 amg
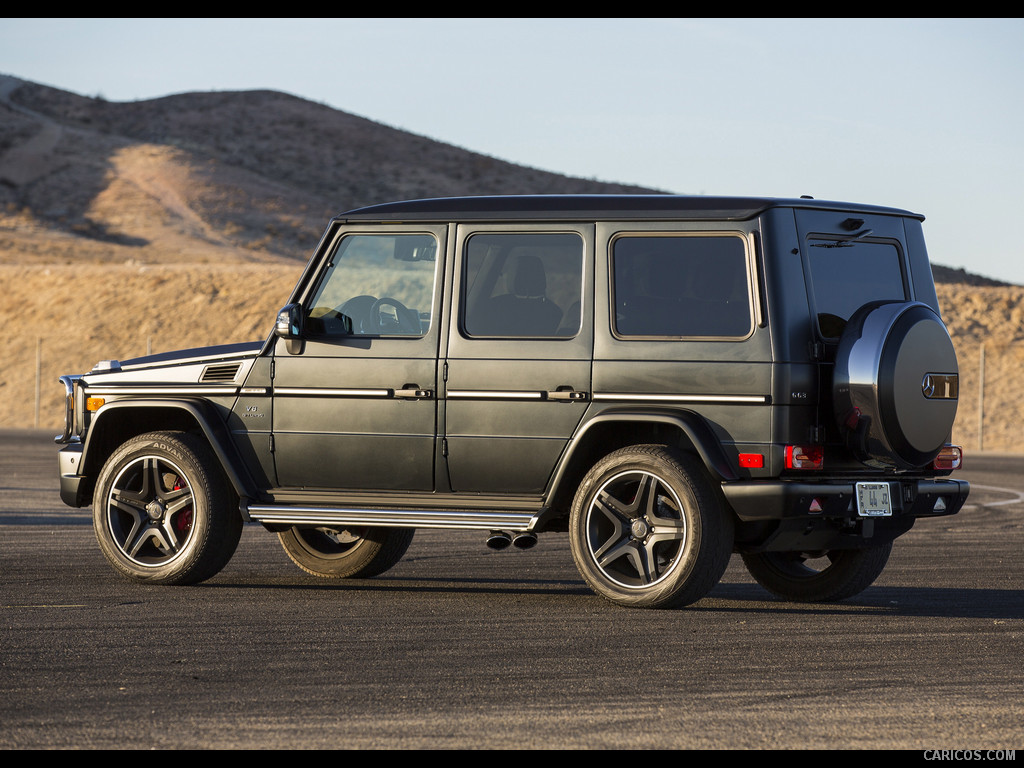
pixel 669 379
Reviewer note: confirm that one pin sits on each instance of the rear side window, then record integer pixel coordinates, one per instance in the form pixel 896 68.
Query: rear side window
pixel 522 285
pixel 846 274
pixel 681 286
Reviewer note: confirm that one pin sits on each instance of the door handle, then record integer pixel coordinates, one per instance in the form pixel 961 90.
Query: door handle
pixel 413 392
pixel 566 394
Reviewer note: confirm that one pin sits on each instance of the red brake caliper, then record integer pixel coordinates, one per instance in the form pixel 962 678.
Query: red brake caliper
pixel 183 521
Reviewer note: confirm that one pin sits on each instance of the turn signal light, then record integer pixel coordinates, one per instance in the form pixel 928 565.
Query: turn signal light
pixel 804 456
pixel 950 457
pixel 93 403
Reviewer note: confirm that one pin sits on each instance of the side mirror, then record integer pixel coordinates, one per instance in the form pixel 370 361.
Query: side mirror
pixel 289 327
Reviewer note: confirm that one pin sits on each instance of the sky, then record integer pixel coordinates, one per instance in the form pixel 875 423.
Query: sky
pixel 922 114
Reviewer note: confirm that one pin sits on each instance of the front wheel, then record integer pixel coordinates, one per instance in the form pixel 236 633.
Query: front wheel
pixel 163 512
pixel 647 529
pixel 338 553
pixel 816 577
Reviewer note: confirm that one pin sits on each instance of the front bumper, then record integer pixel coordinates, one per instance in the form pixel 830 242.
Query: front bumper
pixel 69 459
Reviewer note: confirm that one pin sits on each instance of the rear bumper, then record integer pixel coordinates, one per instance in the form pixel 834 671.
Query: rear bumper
pixel 785 500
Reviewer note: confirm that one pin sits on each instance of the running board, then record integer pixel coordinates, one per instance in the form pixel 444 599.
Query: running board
pixel 392 518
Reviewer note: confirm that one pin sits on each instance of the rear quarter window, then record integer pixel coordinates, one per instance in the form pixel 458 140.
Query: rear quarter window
pixel 681 286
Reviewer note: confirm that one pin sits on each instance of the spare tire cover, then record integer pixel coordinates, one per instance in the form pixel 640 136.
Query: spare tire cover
pixel 896 384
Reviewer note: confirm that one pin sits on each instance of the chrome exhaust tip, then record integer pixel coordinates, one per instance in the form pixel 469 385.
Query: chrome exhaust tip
pixel 525 540
pixel 498 540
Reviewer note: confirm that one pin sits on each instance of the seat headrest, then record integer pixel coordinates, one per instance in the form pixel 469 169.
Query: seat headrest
pixel 530 280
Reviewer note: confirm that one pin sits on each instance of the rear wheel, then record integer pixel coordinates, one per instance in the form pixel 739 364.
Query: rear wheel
pixel 813 577
pixel 338 553
pixel 647 529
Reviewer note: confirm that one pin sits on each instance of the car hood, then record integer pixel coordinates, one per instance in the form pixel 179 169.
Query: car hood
pixel 223 364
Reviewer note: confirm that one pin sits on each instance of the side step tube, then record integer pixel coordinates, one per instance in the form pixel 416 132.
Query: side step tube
pixel 392 518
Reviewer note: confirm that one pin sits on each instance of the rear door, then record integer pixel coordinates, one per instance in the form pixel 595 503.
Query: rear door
pixel 519 353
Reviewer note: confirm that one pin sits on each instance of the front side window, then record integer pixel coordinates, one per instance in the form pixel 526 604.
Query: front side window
pixel 376 285
pixel 846 274
pixel 681 286
pixel 522 285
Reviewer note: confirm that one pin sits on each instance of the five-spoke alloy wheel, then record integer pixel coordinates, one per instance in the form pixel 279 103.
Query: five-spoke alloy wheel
pixel 647 529
pixel 162 510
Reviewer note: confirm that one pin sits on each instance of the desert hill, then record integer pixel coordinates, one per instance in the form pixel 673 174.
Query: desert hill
pixel 218 177
pixel 185 220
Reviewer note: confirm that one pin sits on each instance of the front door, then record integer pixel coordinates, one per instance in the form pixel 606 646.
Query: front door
pixel 356 406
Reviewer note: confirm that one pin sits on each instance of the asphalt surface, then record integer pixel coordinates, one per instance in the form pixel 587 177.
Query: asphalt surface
pixel 462 647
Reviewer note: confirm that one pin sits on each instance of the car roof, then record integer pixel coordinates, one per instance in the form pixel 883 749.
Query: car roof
pixel 595 207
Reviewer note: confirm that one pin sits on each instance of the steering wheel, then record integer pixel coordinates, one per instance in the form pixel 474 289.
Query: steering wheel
pixel 357 308
pixel 376 321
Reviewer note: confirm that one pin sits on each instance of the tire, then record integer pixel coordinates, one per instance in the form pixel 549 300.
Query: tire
pixel 647 529
pixel 793 575
pixel 896 385
pixel 340 553
pixel 163 512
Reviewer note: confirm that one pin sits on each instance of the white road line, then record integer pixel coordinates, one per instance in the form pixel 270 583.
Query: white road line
pixel 1018 495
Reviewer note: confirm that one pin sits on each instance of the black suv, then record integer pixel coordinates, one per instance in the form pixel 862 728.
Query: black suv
pixel 669 379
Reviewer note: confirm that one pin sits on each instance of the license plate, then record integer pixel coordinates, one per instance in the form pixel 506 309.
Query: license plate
pixel 873 500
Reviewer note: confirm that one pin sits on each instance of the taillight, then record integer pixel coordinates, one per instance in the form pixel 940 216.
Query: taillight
pixel 804 456
pixel 950 457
